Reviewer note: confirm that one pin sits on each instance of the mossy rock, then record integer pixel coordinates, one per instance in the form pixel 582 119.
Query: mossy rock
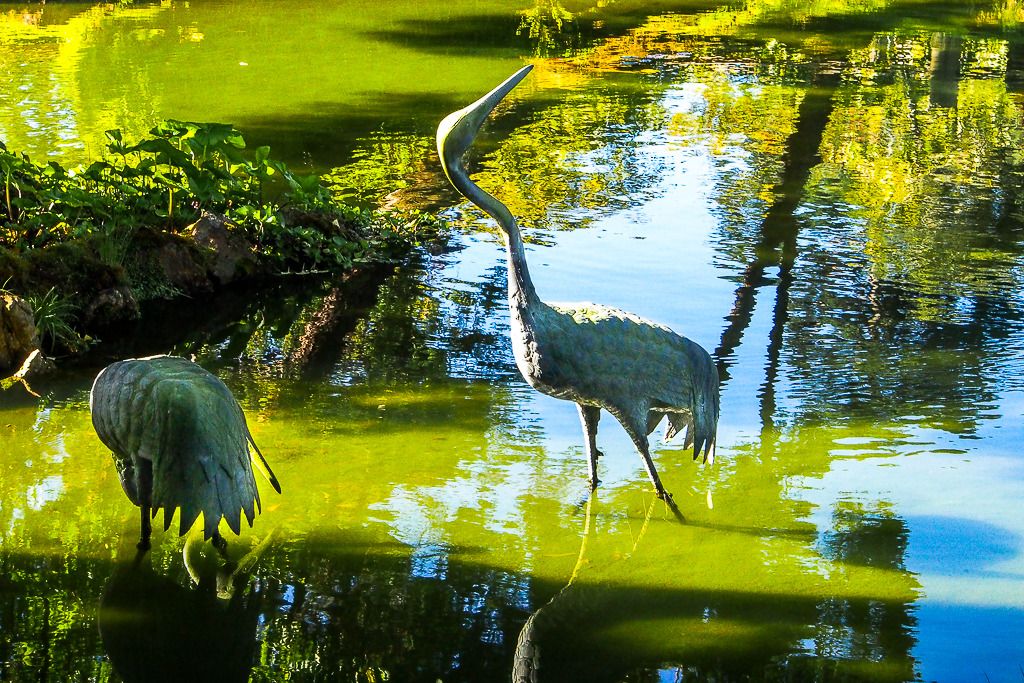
pixel 162 266
pixel 73 268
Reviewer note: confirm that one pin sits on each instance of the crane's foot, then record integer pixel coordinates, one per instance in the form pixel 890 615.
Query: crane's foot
pixel 143 545
pixel 671 504
pixel 594 482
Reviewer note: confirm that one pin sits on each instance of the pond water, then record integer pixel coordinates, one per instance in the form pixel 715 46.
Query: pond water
pixel 825 195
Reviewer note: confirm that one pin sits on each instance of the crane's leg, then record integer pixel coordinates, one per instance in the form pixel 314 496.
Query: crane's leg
pixel 144 487
pixel 635 430
pixel 635 421
pixel 147 529
pixel 589 417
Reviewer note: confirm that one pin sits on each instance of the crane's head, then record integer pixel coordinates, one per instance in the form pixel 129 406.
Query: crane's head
pixel 457 131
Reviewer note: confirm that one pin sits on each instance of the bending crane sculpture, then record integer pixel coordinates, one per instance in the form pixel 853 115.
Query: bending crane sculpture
pixel 179 440
pixel 596 356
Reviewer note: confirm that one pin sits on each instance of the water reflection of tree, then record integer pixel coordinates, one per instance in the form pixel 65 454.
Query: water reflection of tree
pixel 45 630
pixel 411 330
pixel 550 27
pixel 579 160
pixel 42 53
pixel 372 612
pixel 917 274
pixel 874 278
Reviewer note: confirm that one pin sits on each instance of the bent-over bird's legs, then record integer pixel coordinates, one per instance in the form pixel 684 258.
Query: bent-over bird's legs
pixel 147 529
pixel 589 417
pixel 144 487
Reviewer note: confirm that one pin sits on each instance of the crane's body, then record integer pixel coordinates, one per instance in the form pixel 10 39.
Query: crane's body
pixel 179 440
pixel 578 356
pixel 596 356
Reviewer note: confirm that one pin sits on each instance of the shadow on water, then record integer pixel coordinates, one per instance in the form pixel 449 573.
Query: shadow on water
pixel 157 629
pixel 457 620
pixel 537 31
pixel 468 35
pixel 580 637
pixel 347 605
pixel 699 635
pixel 329 134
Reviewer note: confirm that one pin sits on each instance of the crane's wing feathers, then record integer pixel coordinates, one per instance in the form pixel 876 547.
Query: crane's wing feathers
pixel 107 402
pixel 185 422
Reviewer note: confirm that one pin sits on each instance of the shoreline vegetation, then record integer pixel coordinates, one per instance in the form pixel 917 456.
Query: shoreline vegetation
pixel 183 212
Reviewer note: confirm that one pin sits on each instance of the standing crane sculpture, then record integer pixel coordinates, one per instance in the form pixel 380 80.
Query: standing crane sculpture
pixel 596 356
pixel 179 440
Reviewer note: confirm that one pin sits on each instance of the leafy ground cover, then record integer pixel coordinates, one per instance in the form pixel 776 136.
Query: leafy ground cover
pixel 66 235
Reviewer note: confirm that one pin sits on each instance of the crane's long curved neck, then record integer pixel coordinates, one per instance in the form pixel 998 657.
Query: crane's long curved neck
pixel 520 287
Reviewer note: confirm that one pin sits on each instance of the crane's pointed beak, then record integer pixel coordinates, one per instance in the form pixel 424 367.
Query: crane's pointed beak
pixel 457 131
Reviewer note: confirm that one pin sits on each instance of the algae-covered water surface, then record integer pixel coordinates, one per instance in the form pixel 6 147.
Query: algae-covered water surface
pixel 826 196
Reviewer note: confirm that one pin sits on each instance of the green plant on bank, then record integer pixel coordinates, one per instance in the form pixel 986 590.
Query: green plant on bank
pixel 168 180
pixel 113 246
pixel 54 316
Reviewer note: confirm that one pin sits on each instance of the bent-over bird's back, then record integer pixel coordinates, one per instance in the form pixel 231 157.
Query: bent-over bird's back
pixel 179 440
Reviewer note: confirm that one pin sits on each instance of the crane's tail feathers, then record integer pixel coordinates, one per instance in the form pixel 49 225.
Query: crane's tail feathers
pixel 702 447
pixel 264 468
pixel 680 422
pixel 186 518
pixel 234 520
pixel 705 424
pixel 705 447
pixel 696 434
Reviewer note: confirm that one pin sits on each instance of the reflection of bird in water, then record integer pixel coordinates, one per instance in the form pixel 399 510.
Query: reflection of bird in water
pixel 179 439
pixel 526 663
pixel 593 355
pixel 155 629
pixel 566 612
